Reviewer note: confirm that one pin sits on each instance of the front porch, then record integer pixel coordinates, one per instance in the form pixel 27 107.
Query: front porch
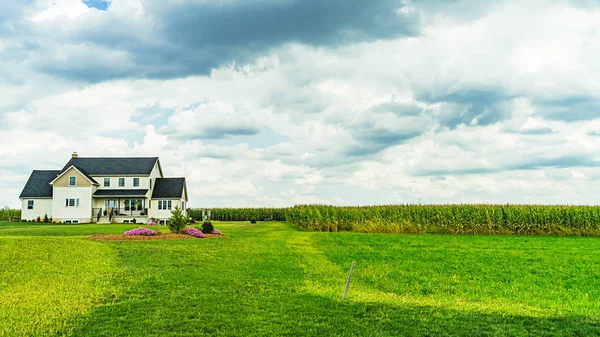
pixel 116 209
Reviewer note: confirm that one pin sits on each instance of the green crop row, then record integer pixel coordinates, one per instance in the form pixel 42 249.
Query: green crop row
pixel 241 214
pixel 452 219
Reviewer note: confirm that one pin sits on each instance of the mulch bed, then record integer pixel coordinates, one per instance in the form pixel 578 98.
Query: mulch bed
pixel 150 237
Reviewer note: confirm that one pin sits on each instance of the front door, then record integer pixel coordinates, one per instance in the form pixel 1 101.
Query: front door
pixel 108 204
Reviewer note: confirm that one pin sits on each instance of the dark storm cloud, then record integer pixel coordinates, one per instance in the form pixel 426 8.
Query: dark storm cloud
pixel 183 38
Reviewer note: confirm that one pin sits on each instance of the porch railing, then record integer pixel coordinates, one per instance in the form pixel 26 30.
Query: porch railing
pixel 117 211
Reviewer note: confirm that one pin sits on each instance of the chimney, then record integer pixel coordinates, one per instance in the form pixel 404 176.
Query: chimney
pixel 74 155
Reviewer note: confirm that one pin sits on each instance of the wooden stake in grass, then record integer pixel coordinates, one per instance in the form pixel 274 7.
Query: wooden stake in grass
pixel 349 279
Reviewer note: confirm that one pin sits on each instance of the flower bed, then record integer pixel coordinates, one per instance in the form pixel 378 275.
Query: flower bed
pixel 140 231
pixel 216 231
pixel 194 232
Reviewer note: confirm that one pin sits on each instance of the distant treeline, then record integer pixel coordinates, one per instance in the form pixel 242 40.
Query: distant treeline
pixel 6 214
pixel 451 219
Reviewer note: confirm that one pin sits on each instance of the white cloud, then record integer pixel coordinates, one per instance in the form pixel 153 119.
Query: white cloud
pixel 496 102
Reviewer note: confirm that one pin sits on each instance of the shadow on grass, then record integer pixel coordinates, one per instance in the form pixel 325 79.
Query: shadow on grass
pixel 258 313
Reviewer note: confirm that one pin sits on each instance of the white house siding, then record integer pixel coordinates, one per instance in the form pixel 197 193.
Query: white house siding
pixel 83 213
pixel 153 175
pixel 154 212
pixel 41 207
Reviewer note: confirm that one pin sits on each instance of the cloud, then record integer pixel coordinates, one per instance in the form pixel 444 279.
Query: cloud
pixel 213 120
pixel 349 102
pixel 158 39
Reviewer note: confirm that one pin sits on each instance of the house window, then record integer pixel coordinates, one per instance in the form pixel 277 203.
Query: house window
pixel 70 202
pixel 121 182
pixel 164 204
pixel 150 183
pixel 29 204
pixel 106 182
pixel 136 182
pixel 72 181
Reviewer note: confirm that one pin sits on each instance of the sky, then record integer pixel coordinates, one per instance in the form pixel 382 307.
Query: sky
pixel 284 102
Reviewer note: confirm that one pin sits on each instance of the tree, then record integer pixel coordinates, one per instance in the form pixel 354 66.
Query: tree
pixel 178 220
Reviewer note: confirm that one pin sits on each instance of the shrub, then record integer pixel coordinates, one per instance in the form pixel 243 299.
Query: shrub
pixel 140 231
pixel 134 220
pixel 152 223
pixel 207 227
pixel 46 218
pixel 38 219
pixel 252 220
pixel 178 220
pixel 193 232
pixel 216 231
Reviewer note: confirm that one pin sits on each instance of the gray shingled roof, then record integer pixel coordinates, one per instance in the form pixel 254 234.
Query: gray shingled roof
pixel 113 165
pixel 169 188
pixel 38 185
pixel 120 193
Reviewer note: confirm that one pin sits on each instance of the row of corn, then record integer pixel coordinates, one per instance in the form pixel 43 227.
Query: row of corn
pixel 453 219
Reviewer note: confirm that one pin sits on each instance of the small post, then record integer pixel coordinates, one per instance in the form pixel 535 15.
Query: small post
pixel 349 279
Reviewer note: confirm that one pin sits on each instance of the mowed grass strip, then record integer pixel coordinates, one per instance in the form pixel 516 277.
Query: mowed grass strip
pixel 274 279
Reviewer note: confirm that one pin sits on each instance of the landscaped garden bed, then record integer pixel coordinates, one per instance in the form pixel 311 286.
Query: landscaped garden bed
pixel 159 236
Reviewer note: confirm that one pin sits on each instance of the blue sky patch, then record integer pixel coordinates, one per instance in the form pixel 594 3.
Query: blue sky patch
pixel 98 4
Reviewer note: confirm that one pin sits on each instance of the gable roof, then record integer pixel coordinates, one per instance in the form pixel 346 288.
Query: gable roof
pixel 169 188
pixel 38 185
pixel 113 165
pixel 87 176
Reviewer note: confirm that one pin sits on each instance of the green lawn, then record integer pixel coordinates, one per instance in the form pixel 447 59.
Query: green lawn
pixel 273 279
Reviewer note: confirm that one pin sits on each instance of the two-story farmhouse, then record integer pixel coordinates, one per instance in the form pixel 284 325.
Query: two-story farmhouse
pixel 103 190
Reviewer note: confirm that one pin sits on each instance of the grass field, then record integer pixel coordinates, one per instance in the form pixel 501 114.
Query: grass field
pixel 274 279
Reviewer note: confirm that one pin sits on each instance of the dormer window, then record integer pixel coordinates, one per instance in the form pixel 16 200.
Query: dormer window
pixel 121 182
pixel 136 182
pixel 72 181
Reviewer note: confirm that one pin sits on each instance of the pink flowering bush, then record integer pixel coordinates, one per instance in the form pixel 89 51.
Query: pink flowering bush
pixel 140 231
pixel 151 223
pixel 216 231
pixel 193 232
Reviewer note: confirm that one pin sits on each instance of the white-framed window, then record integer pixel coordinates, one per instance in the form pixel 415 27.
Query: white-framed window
pixel 106 182
pixel 121 182
pixel 72 181
pixel 136 182
pixel 125 221
pixel 72 202
pixel 71 221
pixel 29 204
pixel 164 204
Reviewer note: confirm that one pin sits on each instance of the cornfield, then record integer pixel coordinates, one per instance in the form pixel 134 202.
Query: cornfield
pixel 241 214
pixel 453 219
pixel 6 214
